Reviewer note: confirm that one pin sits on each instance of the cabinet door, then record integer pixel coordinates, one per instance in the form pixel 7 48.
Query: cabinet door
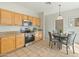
pixel 38 35
pixel 18 19
pixel 7 44
pixel 5 17
pixel 24 17
pixel 38 23
pixel 11 42
pixel 34 20
pixel 19 40
pixel 30 18
pixel 4 45
pixel 13 18
pixel 0 45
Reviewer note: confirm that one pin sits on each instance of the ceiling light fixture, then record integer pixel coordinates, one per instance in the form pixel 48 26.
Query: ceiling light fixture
pixel 48 2
pixel 59 17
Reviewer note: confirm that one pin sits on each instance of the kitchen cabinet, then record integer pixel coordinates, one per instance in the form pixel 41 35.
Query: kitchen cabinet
pixel 6 17
pixel 17 19
pixel 24 17
pixel 19 40
pixel 7 44
pixel 38 23
pixel 30 18
pixel 34 20
pixel 0 45
pixel 12 18
pixel 38 35
pixel 10 41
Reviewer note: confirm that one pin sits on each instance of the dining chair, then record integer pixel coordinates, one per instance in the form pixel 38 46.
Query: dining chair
pixel 52 40
pixel 69 41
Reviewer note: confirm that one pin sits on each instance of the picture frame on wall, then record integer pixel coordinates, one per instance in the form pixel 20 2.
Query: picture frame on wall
pixel 73 22
pixel 77 22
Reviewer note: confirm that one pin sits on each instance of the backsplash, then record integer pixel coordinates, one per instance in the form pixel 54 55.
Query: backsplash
pixel 9 28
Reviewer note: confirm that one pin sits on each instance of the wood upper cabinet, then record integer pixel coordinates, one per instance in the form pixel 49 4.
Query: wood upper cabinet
pixel 7 44
pixel 30 18
pixel 17 19
pixel 34 20
pixel 19 40
pixel 24 17
pixel 6 17
pixel 38 22
pixel 12 18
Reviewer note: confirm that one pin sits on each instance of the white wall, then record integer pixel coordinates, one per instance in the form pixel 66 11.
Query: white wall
pixel 17 8
pixel 68 16
pixel 49 24
pixel 41 15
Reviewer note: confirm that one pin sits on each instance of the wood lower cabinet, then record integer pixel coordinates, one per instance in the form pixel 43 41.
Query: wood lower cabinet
pixel 19 40
pixel 38 35
pixel 11 42
pixel 7 44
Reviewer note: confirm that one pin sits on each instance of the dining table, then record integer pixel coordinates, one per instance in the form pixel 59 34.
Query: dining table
pixel 60 37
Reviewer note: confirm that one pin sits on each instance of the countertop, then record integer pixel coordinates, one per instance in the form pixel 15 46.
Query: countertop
pixel 8 33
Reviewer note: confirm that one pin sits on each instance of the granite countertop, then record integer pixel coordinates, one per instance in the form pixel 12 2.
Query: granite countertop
pixel 8 33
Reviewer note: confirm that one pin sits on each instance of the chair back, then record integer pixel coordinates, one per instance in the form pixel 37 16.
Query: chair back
pixel 50 36
pixel 71 38
pixel 74 38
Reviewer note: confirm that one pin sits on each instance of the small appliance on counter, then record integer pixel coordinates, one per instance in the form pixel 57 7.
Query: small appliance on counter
pixel 28 29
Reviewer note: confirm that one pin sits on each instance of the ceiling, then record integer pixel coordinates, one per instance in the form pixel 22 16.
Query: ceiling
pixel 49 8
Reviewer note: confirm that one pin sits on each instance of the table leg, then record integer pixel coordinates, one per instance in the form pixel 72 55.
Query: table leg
pixel 59 45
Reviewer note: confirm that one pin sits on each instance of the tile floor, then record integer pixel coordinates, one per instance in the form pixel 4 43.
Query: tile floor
pixel 41 49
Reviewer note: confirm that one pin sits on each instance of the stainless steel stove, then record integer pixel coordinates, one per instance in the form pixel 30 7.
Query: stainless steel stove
pixel 28 30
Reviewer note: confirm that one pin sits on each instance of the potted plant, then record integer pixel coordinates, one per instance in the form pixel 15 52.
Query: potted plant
pixel 61 31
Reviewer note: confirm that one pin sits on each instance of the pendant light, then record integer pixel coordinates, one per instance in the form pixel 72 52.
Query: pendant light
pixel 59 17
